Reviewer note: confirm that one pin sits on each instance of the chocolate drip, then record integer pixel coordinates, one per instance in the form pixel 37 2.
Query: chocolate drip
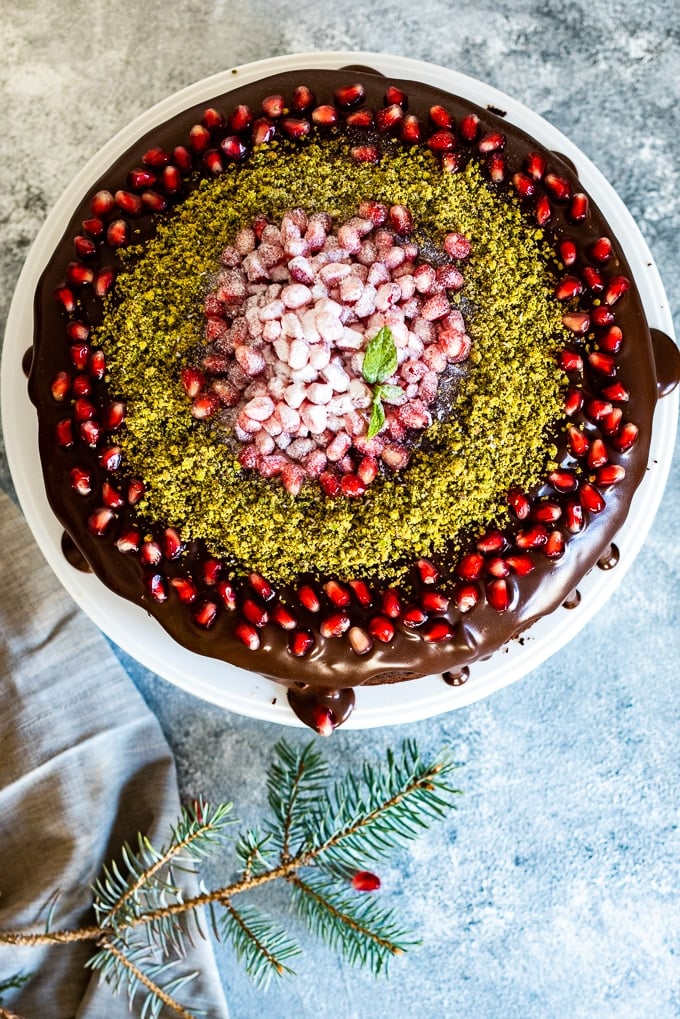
pixel 610 559
pixel 456 677
pixel 27 361
pixel 573 600
pixel 311 707
pixel 73 555
pixel 667 360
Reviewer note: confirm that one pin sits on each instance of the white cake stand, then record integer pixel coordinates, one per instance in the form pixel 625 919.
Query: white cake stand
pixel 140 635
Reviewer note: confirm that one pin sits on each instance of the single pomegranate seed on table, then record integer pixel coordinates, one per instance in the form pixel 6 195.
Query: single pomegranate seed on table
pixel 365 881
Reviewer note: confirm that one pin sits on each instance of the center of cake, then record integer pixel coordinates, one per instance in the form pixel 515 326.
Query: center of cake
pixel 325 345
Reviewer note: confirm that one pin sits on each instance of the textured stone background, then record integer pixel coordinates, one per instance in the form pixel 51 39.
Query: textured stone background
pixel 554 890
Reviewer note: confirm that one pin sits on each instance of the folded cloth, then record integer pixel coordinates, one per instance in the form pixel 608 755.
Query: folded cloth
pixel 84 767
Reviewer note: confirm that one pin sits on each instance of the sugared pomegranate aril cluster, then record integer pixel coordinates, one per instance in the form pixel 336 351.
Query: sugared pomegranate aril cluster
pixel 288 323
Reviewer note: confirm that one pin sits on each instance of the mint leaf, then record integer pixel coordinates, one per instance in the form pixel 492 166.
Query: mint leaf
pixel 386 392
pixel 380 357
pixel 377 417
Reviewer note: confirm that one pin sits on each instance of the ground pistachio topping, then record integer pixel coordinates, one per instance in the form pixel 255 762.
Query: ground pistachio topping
pixel 498 433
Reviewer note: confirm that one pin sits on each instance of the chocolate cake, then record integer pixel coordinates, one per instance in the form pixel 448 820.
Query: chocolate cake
pixel 344 379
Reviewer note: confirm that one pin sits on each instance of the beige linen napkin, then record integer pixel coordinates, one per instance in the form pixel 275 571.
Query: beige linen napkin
pixel 84 767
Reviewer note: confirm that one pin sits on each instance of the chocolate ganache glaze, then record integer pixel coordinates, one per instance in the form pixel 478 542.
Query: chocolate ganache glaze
pixel 450 608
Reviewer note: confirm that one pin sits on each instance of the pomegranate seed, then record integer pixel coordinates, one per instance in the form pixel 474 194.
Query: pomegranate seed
pixel 240 118
pixel 274 106
pixel 563 480
pixel 577 441
pixel 212 119
pixel 441 141
pixel 555 545
pixel 100 521
pixel 602 250
pixel 296 127
pixel 64 296
pixel 611 474
pixel 435 631
pixel 375 211
pixel 389 118
pixel 187 592
pixel 210 571
pixel 577 322
pixel 171 180
pixel 247 634
pixel 111 458
pixel 364 881
pixel 569 287
pixel 543 210
pixel 82 385
pixel 93 226
pixel 451 162
pixel 103 281
pixel 466 597
pixel 79 275
pixel 337 593
pixel 395 95
pixel 470 567
pixel 141 177
pixel 181 157
pixel 519 503
pixel 309 598
pixel 325 115
pixel 156 157
pixel 524 185
pixel 129 542
pixel 590 498
pixel 199 138
pixel 497 167
pixel 428 572
pixel 85 248
pixel 602 316
pixel 348 96
pixel 193 381
pixel 212 161
pixel 534 537
pixel 91 432
pixel 136 490
pixel 359 640
pixel 362 592
pixel 151 553
pixel 401 220
pixel 283 617
pixel 323 720
pixel 546 512
pixel 411 131
pixel 303 99
pixel 567 251
pixel 61 386
pixel 204 406
pixel 118 233
pixel 114 415
pixel 360 118
pixel 78 332
pixel 535 165
pixel 173 546
pixel 570 361
pixel 520 564
pixel 227 593
pixel 263 131
pixel 255 613
pixel 80 355
pixel 435 601
pixel 81 480
pixel 352 486
pixel 334 624
pixel 593 280
pixel 559 187
pixel 391 603
pixel 497 594
pixel 413 616
pixel 364 153
pixel 596 410
pixel 97 365
pixel 573 516
pixel 612 422
pixel 261 586
pixel 83 409
pixel 573 401
pixel 616 288
pixel 491 142
pixel 492 541
pixel 102 203
pixel 469 127
pixel 603 364
pixel 300 643
pixel 612 340
pixel 128 202
pixel 626 438
pixel 579 208
pixel 381 628
pixel 156 586
pixel 616 392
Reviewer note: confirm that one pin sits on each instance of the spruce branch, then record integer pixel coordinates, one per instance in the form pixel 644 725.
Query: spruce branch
pixel 317 840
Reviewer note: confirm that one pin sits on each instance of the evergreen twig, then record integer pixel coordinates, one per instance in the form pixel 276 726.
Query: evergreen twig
pixel 318 836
